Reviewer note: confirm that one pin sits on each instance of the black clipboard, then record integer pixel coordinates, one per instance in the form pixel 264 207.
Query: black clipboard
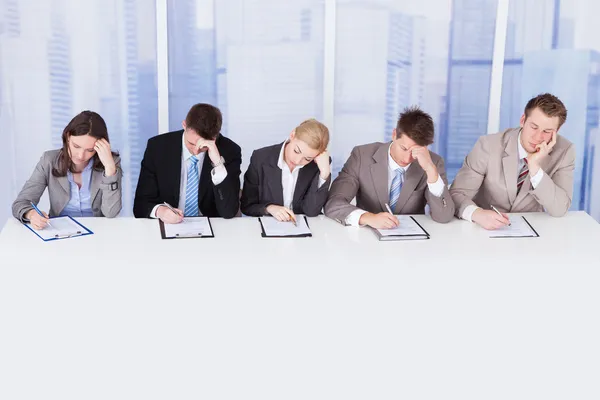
pixel 426 236
pixel 199 236
pixel 264 234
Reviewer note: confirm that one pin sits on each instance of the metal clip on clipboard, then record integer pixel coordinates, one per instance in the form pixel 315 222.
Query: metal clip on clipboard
pixel 67 235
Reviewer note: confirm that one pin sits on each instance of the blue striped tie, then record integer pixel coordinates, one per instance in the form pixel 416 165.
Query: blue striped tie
pixel 396 187
pixel 191 190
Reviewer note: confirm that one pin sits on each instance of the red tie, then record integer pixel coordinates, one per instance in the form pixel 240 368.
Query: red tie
pixel 522 175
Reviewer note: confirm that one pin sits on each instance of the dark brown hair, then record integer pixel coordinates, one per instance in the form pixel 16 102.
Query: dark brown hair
pixel 416 124
pixel 205 120
pixel 550 105
pixel 84 123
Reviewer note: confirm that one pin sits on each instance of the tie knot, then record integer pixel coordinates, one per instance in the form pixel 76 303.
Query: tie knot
pixel 194 160
pixel 525 159
pixel 400 172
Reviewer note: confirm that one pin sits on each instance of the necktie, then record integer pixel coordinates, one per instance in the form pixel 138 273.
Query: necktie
pixel 191 190
pixel 522 176
pixel 396 187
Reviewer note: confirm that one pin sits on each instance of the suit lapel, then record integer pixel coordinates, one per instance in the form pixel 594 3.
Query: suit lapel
pixel 510 163
pixel 379 174
pixel 96 180
pixel 305 177
pixel 64 183
pixel 412 177
pixel 172 163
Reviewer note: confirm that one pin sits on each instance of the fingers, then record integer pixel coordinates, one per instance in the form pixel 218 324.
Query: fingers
pixel 554 138
pixel 290 214
pixel 281 216
pixel 172 218
pixel 38 222
pixel 393 219
pixel 177 216
pixel 502 220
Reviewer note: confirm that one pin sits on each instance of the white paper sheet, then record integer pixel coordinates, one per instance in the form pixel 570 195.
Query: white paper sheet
pixel 518 228
pixel 273 227
pixel 61 227
pixel 189 227
pixel 407 227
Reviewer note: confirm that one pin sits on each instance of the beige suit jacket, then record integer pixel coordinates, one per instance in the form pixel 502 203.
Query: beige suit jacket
pixel 365 176
pixel 490 171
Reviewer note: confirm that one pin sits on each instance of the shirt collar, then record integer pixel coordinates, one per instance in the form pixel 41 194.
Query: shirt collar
pixel 281 163
pixel 522 152
pixel 393 165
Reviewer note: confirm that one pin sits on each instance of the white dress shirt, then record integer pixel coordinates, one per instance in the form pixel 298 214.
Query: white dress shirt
pixel 436 188
pixel 218 175
pixel 535 180
pixel 289 179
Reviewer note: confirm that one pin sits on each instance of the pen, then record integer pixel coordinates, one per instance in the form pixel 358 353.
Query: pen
pixel 388 208
pixel 37 210
pixel 169 207
pixel 498 212
pixel 294 220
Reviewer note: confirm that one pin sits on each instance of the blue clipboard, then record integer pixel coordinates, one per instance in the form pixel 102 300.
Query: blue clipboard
pixel 84 232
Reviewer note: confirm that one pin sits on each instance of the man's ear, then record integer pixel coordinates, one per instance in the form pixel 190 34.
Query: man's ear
pixel 394 134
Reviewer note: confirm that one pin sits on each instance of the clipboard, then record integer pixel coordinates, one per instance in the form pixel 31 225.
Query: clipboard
pixel 83 232
pixel 409 236
pixel 535 234
pixel 263 233
pixel 198 235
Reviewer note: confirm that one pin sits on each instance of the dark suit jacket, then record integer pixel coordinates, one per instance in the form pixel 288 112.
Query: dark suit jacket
pixel 160 178
pixel 262 185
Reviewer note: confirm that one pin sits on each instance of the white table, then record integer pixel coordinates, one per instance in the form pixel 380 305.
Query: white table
pixel 122 314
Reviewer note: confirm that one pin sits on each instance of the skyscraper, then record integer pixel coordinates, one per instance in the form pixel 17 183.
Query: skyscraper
pixel 379 71
pixel 269 68
pixel 573 76
pixel 472 31
pixel 60 78
pixel 192 63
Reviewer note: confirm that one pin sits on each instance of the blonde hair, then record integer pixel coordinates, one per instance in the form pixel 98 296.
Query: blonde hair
pixel 314 134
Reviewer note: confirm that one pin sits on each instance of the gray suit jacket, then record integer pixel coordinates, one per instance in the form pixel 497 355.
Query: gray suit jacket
pixel 365 176
pixel 105 191
pixel 490 171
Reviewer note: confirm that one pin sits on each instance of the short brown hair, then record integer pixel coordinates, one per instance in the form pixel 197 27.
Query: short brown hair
pixel 416 124
pixel 550 105
pixel 205 120
pixel 314 134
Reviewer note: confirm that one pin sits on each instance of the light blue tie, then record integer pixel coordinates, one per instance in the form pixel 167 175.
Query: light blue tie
pixel 191 190
pixel 396 187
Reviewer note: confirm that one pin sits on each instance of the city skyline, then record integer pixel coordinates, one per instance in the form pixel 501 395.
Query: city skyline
pixel 261 62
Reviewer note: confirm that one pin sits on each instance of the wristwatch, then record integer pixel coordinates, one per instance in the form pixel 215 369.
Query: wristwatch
pixel 221 162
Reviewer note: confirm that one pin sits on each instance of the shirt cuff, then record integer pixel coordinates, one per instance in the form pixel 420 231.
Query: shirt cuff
pixel 153 213
pixel 468 212
pixel 437 188
pixel 321 182
pixel 218 174
pixel 537 178
pixel 354 217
